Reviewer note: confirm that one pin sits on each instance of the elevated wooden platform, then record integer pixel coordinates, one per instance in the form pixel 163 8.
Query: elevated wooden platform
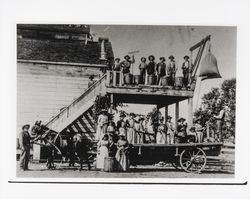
pixel 141 94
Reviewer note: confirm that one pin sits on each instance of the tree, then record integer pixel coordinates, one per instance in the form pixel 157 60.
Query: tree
pixel 225 96
pixel 154 115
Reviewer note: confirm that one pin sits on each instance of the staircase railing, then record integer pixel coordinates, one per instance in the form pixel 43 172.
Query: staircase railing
pixel 78 102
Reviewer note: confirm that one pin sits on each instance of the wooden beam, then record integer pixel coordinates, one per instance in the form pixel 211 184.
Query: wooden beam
pixel 190 112
pixel 111 102
pixel 176 114
pixel 144 90
pixel 200 43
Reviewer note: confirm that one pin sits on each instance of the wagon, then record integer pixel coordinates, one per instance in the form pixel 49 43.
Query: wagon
pixel 189 157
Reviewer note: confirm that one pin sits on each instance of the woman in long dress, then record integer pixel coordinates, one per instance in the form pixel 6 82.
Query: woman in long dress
pixel 102 152
pixel 161 136
pixel 102 124
pixel 131 134
pixel 122 155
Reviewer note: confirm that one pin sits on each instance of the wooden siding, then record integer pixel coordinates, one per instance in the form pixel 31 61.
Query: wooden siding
pixel 44 89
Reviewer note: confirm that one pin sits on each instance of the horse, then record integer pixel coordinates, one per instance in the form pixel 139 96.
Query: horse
pixel 72 148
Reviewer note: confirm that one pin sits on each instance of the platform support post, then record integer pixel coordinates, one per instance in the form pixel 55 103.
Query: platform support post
pixel 111 103
pixel 114 78
pixel 108 78
pixel 176 114
pixel 190 112
pixel 166 113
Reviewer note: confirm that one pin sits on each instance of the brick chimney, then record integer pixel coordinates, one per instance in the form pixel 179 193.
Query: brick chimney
pixel 103 54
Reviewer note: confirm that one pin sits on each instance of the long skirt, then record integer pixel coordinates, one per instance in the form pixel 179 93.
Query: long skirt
pixel 131 135
pixel 160 138
pixel 122 160
pixel 199 137
pixel 101 154
pixel 101 131
pixel 170 138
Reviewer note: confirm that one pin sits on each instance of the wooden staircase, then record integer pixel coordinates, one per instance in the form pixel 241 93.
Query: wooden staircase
pixel 70 117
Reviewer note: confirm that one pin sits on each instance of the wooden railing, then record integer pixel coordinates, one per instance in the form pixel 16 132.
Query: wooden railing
pixel 116 79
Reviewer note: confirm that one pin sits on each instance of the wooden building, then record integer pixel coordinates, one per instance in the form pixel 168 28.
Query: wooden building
pixel 54 63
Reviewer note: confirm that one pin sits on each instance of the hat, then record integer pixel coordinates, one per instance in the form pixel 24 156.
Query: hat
pixel 162 58
pixel 103 110
pixel 192 129
pixel 132 114
pixel 171 56
pixel 141 118
pixel 169 117
pixel 91 77
pixel 122 115
pixel 127 56
pixel 117 59
pixel 197 119
pixel 105 136
pixel 181 119
pixel 143 58
pixel 122 136
pixel 151 56
pixel 186 57
pixel 26 126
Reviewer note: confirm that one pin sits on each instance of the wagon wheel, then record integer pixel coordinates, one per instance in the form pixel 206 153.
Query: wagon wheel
pixel 193 160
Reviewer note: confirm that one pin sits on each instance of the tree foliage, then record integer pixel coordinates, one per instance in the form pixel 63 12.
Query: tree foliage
pixel 223 97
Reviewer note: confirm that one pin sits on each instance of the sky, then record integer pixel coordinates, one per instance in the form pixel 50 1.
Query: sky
pixel 173 40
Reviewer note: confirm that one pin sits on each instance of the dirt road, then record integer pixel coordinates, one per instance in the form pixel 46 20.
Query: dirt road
pixel 63 171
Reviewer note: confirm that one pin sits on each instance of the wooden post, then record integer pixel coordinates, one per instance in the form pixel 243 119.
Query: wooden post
pixel 114 78
pixel 190 112
pixel 111 102
pixel 121 78
pixel 207 131
pixel 108 78
pixel 166 113
pixel 176 114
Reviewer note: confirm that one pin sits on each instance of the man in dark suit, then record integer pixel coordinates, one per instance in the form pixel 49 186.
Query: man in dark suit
pixel 24 142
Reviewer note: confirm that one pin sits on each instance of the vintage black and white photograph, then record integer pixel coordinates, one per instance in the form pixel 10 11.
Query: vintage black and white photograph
pixel 125 101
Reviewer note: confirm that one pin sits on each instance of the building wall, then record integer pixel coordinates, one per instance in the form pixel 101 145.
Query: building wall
pixel 44 89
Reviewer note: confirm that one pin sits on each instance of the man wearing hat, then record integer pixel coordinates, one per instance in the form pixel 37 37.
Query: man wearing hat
pixel 24 143
pixel 182 130
pixel 150 69
pixel 170 130
pixel 102 124
pixel 126 64
pixel 91 80
pixel 142 68
pixel 171 70
pixel 219 120
pixel 160 69
pixel 185 70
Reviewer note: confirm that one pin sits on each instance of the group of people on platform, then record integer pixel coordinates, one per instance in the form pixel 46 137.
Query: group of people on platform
pixel 151 67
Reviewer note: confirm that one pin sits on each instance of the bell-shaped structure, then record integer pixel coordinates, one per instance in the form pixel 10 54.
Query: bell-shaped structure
pixel 209 68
